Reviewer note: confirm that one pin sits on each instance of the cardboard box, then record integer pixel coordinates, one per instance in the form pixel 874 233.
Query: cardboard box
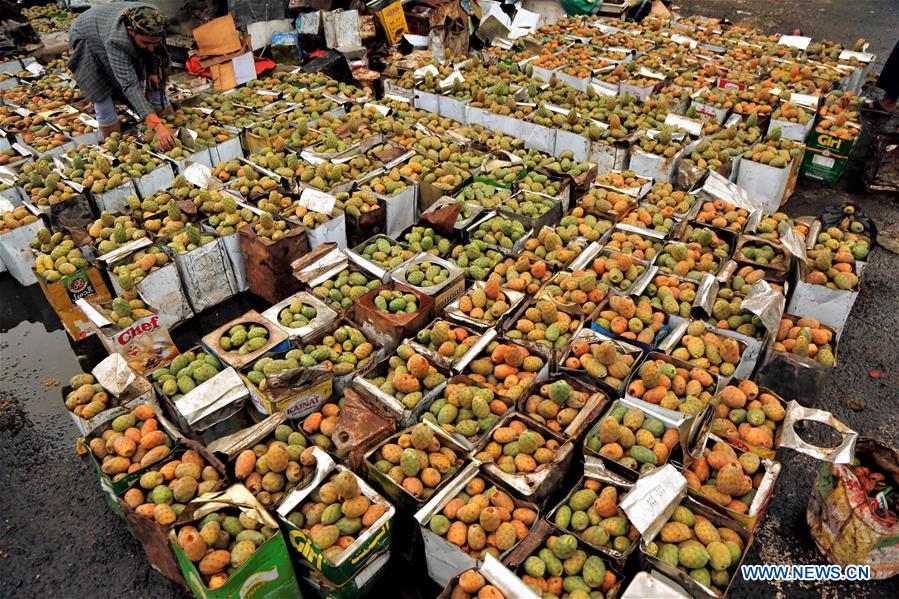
pixel 115 200
pixel 694 588
pixel 534 486
pixel 16 252
pixel 303 394
pixel 231 245
pixel 825 158
pixel 669 418
pixel 218 37
pixel 653 166
pixel 402 210
pixel 444 559
pixel 161 178
pixel 269 274
pixel 498 576
pixel 331 231
pixel 277 340
pixel 268 571
pixel 146 344
pixel 116 485
pixel 153 537
pixel 392 19
pixel 206 275
pixel 443 293
pixel 161 288
pixel 213 408
pixel 394 491
pixel 324 316
pixel 772 186
pixel 828 306
pixel 374 541
pixel 123 386
pixel 595 471
pixel 62 295
pixel 390 405
pixel 372 269
pixel 359 585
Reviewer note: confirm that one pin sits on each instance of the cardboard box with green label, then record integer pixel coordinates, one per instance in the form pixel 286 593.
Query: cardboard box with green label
pixel 826 157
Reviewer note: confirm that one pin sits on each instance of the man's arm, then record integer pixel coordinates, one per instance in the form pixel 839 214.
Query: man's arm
pixel 123 69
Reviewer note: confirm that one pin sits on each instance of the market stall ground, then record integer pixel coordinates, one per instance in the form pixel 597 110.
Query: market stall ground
pixel 56 533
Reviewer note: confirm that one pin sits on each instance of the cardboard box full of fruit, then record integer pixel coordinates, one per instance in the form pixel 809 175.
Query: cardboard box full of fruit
pixel 89 396
pixel 598 496
pixel 236 343
pixel 454 538
pixel 662 432
pixel 301 315
pixel 526 455
pixel 491 578
pixel 731 480
pixel 410 480
pixel 137 332
pixel 158 284
pixel 707 547
pixel 254 550
pixel 563 404
pixel 351 520
pixel 600 360
pixel 442 280
pixel 548 550
pixel 205 399
pixel 403 384
pixel 392 312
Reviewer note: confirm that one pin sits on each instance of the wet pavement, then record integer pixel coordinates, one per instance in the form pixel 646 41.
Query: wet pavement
pixel 59 538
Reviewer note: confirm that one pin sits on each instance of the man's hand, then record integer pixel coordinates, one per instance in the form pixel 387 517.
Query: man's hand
pixel 164 137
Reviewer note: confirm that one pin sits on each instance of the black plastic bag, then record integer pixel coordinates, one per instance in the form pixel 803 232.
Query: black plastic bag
pixel 844 217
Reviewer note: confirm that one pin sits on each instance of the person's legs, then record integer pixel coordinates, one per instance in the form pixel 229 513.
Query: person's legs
pixel 107 117
pixel 888 81
pixel 160 102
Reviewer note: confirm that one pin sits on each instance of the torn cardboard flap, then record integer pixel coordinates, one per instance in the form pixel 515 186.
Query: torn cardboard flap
pixel 596 468
pixel 233 444
pixel 419 74
pixel 706 294
pixel 114 374
pixel 791 240
pixel 124 251
pixel 211 401
pixel 503 579
pixel 286 383
pixel 794 41
pixel 653 498
pixel 766 303
pixel 843 453
pixel 201 176
pixel 448 82
pixel 320 264
pixel 236 496
pixel 720 187
pixel 691 126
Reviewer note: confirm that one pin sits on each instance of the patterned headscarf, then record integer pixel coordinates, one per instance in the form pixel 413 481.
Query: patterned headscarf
pixel 145 20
